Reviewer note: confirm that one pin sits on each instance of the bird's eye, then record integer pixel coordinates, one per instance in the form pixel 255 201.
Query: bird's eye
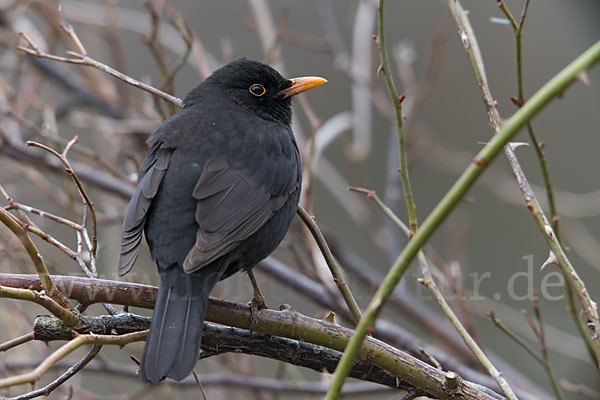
pixel 257 89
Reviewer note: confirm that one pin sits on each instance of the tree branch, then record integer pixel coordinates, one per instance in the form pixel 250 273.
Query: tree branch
pixel 38 262
pixel 288 323
pixel 218 340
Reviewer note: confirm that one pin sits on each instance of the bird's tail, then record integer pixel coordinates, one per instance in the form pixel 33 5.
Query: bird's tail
pixel 173 343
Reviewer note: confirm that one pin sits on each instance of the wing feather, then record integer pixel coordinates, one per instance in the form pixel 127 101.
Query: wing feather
pixel 231 207
pixel 151 176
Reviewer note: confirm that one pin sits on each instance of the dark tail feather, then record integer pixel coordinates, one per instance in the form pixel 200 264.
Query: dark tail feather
pixel 173 344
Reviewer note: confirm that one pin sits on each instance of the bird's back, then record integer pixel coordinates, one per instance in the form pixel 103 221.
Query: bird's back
pixel 262 151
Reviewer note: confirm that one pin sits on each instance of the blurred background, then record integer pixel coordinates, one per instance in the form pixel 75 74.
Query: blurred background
pixel 488 253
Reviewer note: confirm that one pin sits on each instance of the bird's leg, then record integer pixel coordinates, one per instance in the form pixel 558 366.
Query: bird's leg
pixel 258 301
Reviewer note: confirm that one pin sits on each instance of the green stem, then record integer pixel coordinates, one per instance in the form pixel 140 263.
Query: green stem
pixel 591 328
pixel 518 29
pixel 430 284
pixel 45 301
pixel 552 377
pixel 517 339
pixel 581 328
pixel 397 101
pixel 543 360
pixel 551 89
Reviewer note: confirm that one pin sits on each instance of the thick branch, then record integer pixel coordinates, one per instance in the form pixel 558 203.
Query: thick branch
pixel 218 340
pixel 288 323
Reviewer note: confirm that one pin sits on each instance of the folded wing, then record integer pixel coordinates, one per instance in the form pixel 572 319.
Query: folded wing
pixel 234 204
pixel 151 176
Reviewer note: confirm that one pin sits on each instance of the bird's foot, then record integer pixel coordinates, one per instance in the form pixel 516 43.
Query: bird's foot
pixel 257 303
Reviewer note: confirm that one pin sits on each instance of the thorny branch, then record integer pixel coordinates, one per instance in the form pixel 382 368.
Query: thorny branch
pixel 430 284
pixel 588 306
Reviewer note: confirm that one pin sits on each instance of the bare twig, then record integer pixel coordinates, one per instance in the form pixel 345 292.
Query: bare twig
pixel 82 59
pixel 500 325
pixel 84 196
pixel 186 35
pixel 36 374
pixel 336 273
pixel 65 315
pixel 35 257
pixel 15 205
pixel 16 341
pixel 540 333
pixel 519 101
pixel 397 103
pixel 46 390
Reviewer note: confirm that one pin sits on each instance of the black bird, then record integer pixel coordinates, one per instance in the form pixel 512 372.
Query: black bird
pixel 216 195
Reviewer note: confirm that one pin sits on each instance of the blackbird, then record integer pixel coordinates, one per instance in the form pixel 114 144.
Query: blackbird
pixel 216 194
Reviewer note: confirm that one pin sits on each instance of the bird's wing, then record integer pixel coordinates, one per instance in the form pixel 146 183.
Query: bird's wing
pixel 234 204
pixel 151 175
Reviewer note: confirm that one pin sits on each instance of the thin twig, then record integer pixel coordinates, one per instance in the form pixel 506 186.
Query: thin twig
pixel 397 102
pixel 70 346
pixel 65 315
pixel 519 101
pixel 540 333
pixel 186 35
pixel 336 273
pixel 46 390
pixel 84 196
pixel 36 258
pixel 30 227
pixel 500 325
pixel 16 341
pixel 16 205
pixel 81 59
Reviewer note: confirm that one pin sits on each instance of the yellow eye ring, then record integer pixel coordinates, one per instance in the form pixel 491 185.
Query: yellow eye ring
pixel 257 89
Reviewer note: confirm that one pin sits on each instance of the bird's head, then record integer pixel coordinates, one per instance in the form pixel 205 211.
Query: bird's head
pixel 256 87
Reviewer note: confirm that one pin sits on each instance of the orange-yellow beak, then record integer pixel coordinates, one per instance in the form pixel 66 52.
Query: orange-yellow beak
pixel 300 85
